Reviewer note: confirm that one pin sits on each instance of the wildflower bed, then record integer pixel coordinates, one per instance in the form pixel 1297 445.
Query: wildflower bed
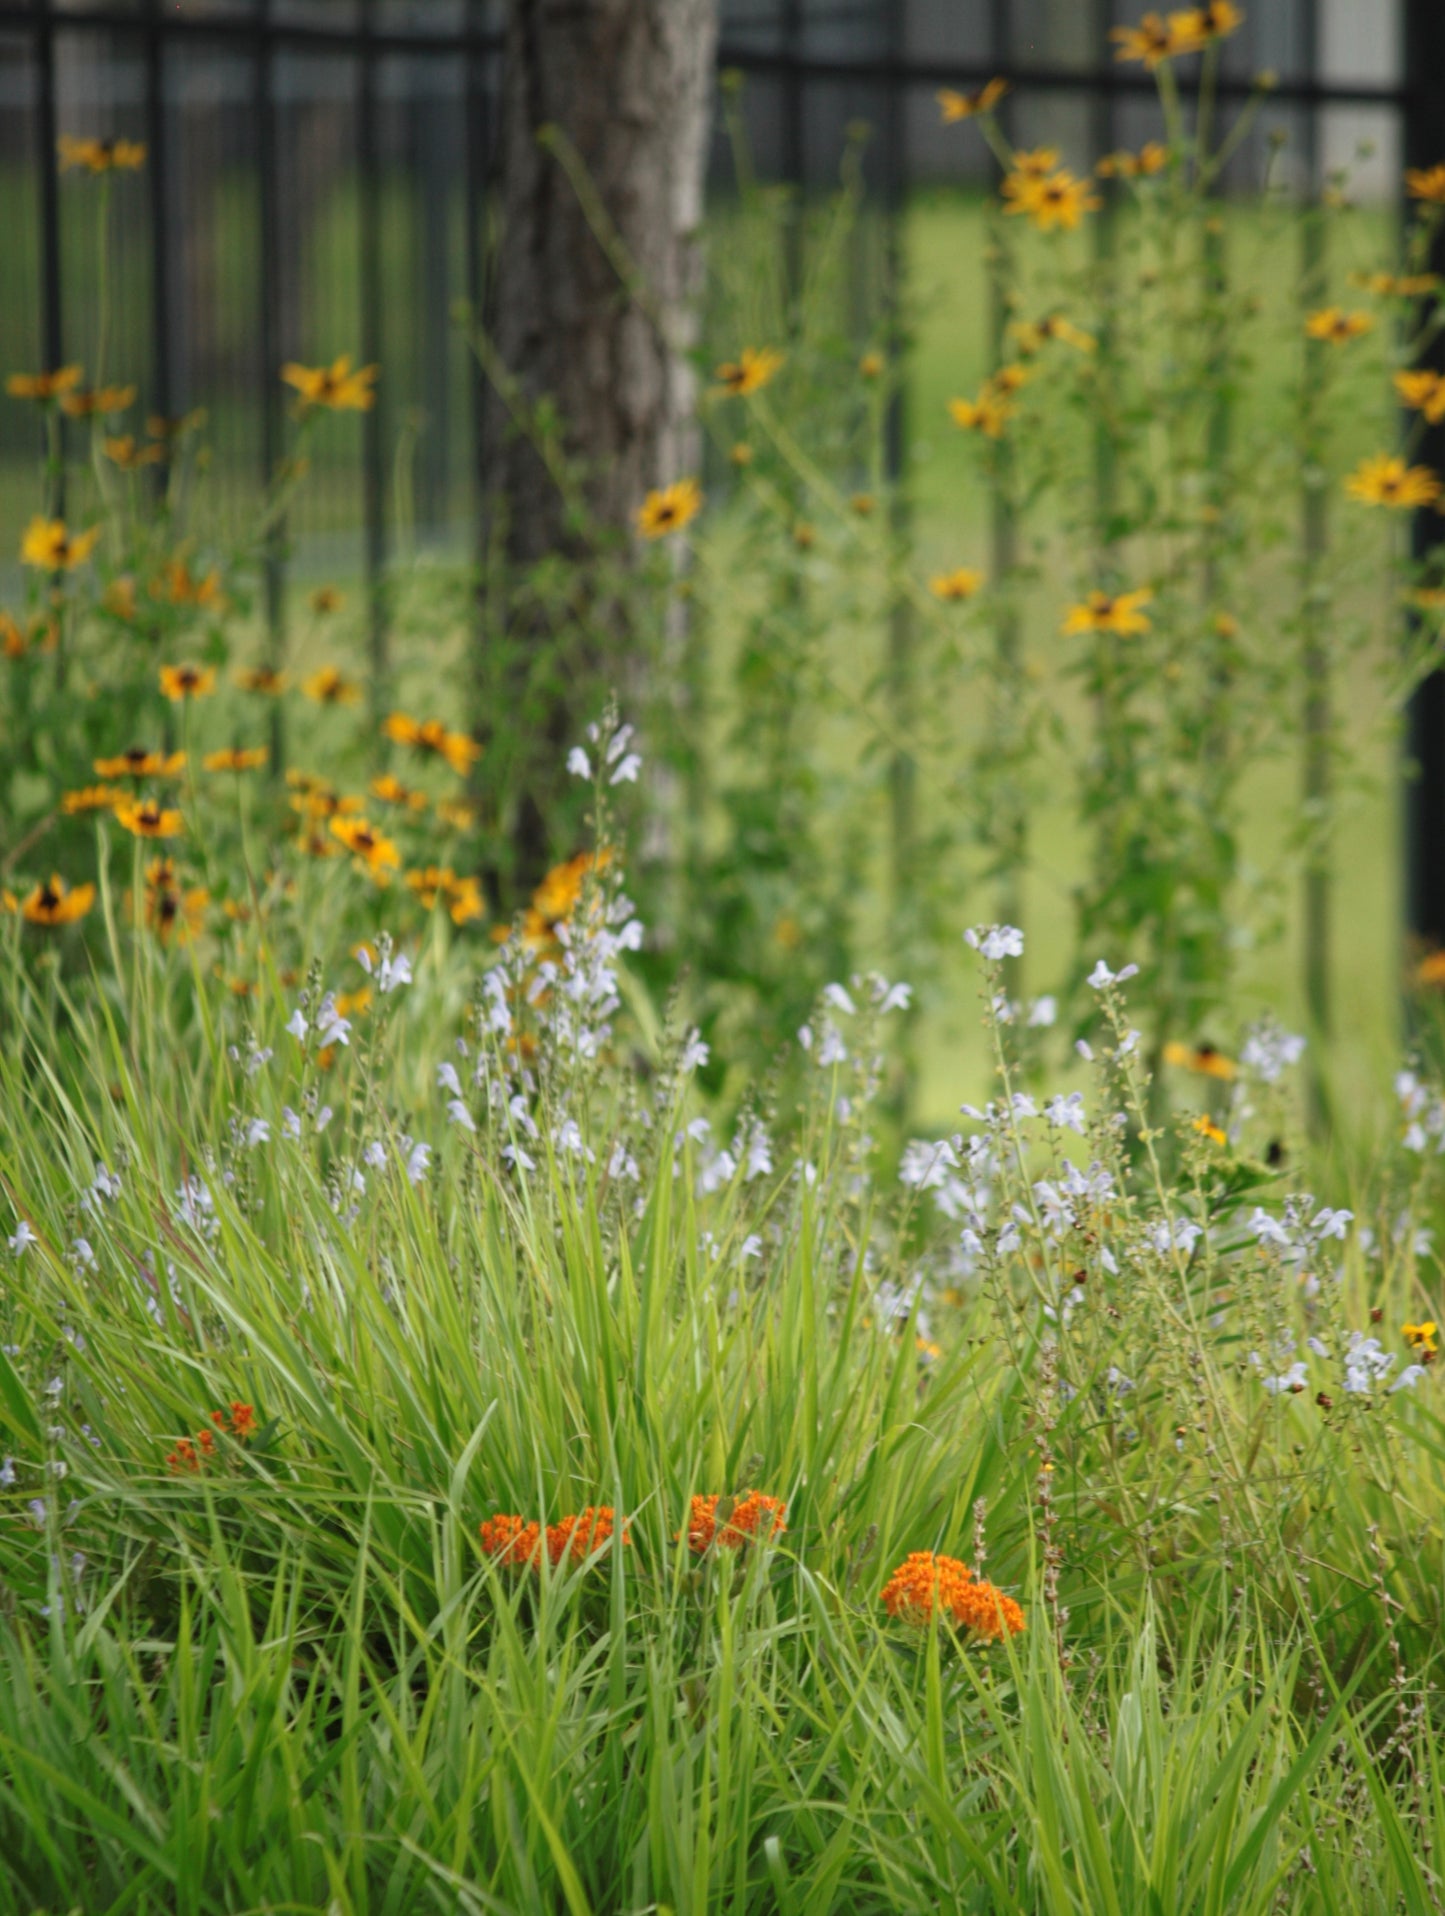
pixel 440 1474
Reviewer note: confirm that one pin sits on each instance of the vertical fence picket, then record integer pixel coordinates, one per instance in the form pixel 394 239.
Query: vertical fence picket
pixel 52 317
pixel 268 185
pixel 373 454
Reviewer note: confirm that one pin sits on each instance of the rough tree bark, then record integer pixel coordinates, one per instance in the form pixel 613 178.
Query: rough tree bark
pixel 627 84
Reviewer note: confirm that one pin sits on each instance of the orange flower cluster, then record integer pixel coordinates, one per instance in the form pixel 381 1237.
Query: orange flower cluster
pixel 753 1518
pixel 189 1457
pixel 924 1585
pixel 511 1540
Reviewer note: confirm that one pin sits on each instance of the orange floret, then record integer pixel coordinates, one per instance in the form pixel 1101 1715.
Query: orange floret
pixel 924 1584
pixel 509 1539
pixel 753 1516
pixel 578 1537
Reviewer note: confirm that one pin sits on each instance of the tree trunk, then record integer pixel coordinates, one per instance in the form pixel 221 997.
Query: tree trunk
pixel 594 322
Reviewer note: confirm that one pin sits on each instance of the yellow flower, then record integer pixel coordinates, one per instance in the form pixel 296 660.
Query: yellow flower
pixel 1214 20
pixel 1426 183
pixel 1055 200
pixel 100 401
pixel 1422 391
pixel 326 599
pixel 750 371
pixel 1203 1059
pixel 1334 324
pixel 1154 39
pixel 48 544
pixel 180 585
pixel 262 678
pixel 391 791
pixel 1207 1128
pixel 13 643
pixel 92 798
pixel 1116 612
pixel 335 388
pixel 430 735
pixel 1031 335
pixel 372 848
pixel 187 681
pixel 955 106
pixel 457 813
pixel 430 883
pixel 127 452
pixel 138 761
pixel 1151 158
pixel 247 758
pixel 147 818
pixel 56 903
pixel 1034 164
pixel 872 366
pixel 669 509
pixel 1386 480
pixel 170 911
pixel 328 687
pixel 1421 1337
pixel 1396 286
pixel 43 387
pixel 466 903
pixel 100 156
pixel 958 584
pixel 987 414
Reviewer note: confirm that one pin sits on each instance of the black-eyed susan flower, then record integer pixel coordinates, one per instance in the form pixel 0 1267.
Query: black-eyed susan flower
pixel 178 585
pixel 1422 391
pixel 1154 40
pixel 148 818
pixel 391 791
pixel 139 761
pixel 1396 285
pixel 1336 326
pixel 1151 158
pixel 330 687
pixel 241 758
pixel 1033 163
pixel 325 600
pixel 130 454
pixel 44 388
pixel 429 735
pixel 372 849
pixel 1117 612
pixel 173 911
pixel 97 402
pixel 56 903
pixel 100 156
pixel 333 388
pixel 1426 183
pixel 954 106
pixel 1207 1128
pixel 988 414
pixel 1421 1337
pixel 1386 480
pixel 1212 20
pixel 668 509
pixel 458 813
pixel 1203 1059
pixel 1057 201
pixel 91 798
pixel 961 583
pixel 187 681
pixel 264 679
pixel 750 371
pixel 50 545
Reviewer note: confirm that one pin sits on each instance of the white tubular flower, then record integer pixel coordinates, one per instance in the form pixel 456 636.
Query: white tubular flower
pixel 1101 977
pixel 297 1026
pixel 459 1114
pixel 447 1079
pixel 418 1162
pixel 627 771
pixel 23 1238
pixel 838 999
pixel 1043 1012
pixel 578 764
pixel 996 942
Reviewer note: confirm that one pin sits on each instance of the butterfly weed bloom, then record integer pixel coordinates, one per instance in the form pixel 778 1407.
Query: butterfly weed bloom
pixel 961 583
pixel 139 761
pixel 580 1537
pixel 50 544
pixel 241 758
pixel 373 850
pixel 333 388
pixel 510 1540
pixel 100 156
pixel 148 818
pixel 328 686
pixel 925 1585
pixel 96 402
pixel 1386 480
pixel 1336 326
pixel 668 509
pixel 1117 612
pixel 732 1522
pixel 954 106
pixel 44 388
pixel 56 903
pixel 753 368
pixel 1204 1060
pixel 187 681
pixel 262 679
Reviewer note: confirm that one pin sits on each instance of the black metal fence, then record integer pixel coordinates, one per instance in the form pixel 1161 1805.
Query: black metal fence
pixel 318 182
